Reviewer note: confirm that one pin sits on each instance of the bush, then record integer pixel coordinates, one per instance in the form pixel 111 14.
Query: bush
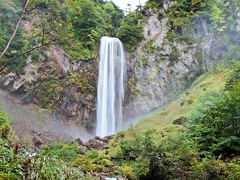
pixel 215 127
pixel 4 127
pixel 233 169
pixel 140 157
pixel 92 160
pixel 63 151
pixel 182 12
pixel 130 31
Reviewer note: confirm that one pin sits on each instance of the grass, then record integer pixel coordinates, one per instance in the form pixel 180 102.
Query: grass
pixel 160 122
pixel 185 105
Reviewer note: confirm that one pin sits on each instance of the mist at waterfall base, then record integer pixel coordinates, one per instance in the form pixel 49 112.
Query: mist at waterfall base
pixel 110 86
pixel 28 121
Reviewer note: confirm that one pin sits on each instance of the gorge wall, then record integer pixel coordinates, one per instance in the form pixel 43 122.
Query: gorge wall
pixel 166 63
pixel 163 65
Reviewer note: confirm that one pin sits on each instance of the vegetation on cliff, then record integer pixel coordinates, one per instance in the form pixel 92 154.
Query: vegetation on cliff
pixel 184 141
pixel 76 26
pixel 194 137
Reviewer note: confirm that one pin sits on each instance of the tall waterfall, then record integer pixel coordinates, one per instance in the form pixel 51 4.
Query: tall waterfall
pixel 110 86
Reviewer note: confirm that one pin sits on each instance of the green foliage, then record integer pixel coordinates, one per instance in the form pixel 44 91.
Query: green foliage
pixel 90 24
pixel 182 12
pixel 9 10
pixel 131 31
pixel 140 157
pixel 63 151
pixel 132 85
pixel 149 47
pixel 174 56
pixel 234 78
pixel 92 160
pixel 215 126
pixel 233 169
pixel 4 127
pixel 217 14
pixel 89 20
pixel 10 166
pixel 9 14
pixel 76 27
pixel 48 92
pixel 51 162
pixel 154 4
pixel 83 81
pixel 135 153
pixel 208 168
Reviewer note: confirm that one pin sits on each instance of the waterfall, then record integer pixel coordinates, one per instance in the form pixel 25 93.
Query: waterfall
pixel 110 86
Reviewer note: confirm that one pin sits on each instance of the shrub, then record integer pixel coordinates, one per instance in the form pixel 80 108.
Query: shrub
pixel 48 92
pixel 64 151
pixel 92 160
pixel 215 127
pixel 4 127
pixel 130 31
pixel 140 157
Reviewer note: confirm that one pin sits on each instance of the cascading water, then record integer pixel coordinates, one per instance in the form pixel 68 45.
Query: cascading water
pixel 110 86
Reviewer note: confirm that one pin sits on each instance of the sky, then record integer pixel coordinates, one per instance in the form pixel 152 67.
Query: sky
pixel 123 4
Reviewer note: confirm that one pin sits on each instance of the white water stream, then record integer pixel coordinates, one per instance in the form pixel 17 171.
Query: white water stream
pixel 110 86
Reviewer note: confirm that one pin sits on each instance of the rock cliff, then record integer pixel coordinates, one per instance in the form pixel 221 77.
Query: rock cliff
pixel 164 64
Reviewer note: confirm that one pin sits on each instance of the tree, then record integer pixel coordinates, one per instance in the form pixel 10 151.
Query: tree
pixel 215 127
pixel 15 30
pixel 130 31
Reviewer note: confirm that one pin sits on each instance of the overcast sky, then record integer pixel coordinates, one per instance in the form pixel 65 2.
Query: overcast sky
pixel 123 3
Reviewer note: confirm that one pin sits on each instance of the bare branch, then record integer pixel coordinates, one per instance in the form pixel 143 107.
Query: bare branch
pixel 15 31
pixel 4 65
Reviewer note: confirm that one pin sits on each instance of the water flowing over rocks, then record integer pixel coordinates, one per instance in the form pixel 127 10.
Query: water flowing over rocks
pixel 110 86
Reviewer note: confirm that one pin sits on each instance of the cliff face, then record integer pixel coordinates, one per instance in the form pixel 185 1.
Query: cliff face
pixel 162 66
pixel 52 82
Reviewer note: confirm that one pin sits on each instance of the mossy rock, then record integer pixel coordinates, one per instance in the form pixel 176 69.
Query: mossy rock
pixel 180 121
pixel 93 160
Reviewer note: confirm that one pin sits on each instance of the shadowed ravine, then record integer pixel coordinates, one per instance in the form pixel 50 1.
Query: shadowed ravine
pixel 27 121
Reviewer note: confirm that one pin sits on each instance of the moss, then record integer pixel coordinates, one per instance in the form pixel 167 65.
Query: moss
pixel 38 54
pixel 153 74
pixel 149 47
pixel 163 58
pixel 174 56
pixel 92 160
pixel 116 138
pixel 132 86
pixel 62 150
pixel 84 82
pixel 48 92
pixel 171 36
pixel 126 171
pixel 233 169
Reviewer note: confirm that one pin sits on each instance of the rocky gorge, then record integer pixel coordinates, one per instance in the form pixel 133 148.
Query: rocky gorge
pixel 162 66
pixel 90 91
